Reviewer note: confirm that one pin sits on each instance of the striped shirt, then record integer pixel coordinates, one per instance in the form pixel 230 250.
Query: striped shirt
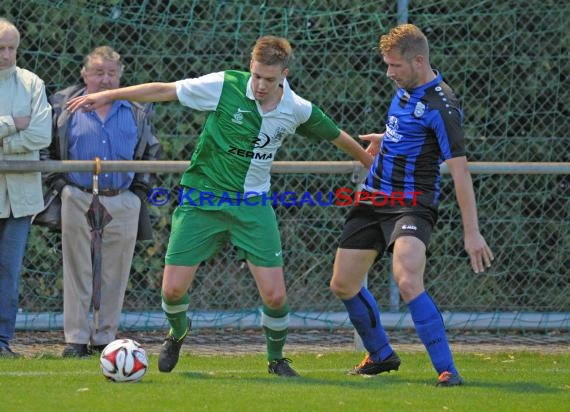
pixel 237 146
pixel 115 138
pixel 423 129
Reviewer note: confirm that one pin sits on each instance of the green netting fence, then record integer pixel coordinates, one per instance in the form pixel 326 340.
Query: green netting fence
pixel 509 62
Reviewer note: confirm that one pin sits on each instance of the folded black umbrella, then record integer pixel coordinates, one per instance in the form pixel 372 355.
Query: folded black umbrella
pixel 97 217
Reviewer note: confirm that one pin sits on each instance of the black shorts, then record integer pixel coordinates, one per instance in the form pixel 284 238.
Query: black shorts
pixel 370 227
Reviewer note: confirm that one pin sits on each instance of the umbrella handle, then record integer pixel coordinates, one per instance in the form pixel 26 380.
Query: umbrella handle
pixel 96 175
pixel 97 165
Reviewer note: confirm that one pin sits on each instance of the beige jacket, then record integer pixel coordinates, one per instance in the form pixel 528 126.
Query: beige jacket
pixel 22 93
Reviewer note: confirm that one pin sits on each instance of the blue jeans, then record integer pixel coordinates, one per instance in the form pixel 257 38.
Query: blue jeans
pixel 13 236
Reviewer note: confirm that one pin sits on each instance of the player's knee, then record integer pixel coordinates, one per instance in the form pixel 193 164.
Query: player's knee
pixel 336 287
pixel 173 293
pixel 343 290
pixel 409 288
pixel 275 299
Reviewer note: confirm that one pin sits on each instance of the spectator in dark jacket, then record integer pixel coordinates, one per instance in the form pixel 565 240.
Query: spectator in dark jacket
pixel 118 131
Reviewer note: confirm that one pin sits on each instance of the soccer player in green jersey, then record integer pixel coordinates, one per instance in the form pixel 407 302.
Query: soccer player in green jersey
pixel 250 115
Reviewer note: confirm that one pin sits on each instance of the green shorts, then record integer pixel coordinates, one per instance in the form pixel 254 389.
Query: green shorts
pixel 199 232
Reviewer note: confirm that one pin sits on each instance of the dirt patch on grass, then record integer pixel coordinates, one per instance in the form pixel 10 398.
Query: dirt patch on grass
pixel 232 341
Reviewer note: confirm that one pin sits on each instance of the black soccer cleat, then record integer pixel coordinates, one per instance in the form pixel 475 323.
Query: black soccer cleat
pixel 369 367
pixel 170 352
pixel 281 367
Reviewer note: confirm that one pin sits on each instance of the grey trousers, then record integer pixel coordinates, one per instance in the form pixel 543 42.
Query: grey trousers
pixel 119 237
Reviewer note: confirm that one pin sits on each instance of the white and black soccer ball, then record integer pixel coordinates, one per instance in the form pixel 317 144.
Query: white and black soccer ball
pixel 123 360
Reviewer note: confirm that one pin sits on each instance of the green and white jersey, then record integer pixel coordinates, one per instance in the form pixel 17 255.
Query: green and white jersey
pixel 237 146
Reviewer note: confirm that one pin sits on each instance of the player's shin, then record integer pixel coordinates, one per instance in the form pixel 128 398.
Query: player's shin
pixel 431 331
pixel 365 317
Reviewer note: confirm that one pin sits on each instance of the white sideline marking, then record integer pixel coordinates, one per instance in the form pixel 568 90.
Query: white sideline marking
pixel 49 373
pixel 192 371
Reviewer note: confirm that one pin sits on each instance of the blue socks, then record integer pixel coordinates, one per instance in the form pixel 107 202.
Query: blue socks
pixel 431 330
pixel 365 317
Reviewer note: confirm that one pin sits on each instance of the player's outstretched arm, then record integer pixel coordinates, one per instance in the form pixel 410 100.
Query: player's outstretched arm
pixel 374 140
pixel 346 143
pixel 146 92
pixel 480 254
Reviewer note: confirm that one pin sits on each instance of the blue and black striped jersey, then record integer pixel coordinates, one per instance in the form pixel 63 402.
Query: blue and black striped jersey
pixel 423 129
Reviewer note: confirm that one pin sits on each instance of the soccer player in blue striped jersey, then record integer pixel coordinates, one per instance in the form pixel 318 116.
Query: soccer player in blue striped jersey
pixel 423 129
pixel 250 116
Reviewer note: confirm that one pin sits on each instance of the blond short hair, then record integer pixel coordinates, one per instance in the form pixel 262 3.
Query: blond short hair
pixel 406 39
pixel 272 50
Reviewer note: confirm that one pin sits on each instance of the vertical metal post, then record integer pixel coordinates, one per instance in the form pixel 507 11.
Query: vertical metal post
pixel 394 291
pixel 358 176
pixel 402 11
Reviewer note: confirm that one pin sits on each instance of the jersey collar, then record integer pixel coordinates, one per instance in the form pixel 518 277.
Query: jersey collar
pixel 438 79
pixel 286 103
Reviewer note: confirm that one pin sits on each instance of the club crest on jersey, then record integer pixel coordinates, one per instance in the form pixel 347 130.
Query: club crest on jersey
pixel 280 133
pixel 238 115
pixel 419 110
pixel 238 118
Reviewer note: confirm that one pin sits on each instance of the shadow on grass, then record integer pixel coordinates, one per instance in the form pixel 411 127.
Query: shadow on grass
pixel 513 387
pixel 517 387
pixel 376 382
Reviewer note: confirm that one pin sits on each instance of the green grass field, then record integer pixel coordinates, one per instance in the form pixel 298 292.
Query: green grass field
pixel 518 381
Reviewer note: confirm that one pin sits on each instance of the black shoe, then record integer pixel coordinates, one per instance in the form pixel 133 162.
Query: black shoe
pixel 280 367
pixel 168 356
pixel 369 367
pixel 97 348
pixel 6 352
pixel 76 350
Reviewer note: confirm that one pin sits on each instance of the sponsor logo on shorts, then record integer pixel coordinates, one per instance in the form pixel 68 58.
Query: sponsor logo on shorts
pixel 409 227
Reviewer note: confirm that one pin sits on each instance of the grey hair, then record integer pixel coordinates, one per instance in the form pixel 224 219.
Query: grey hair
pixel 6 24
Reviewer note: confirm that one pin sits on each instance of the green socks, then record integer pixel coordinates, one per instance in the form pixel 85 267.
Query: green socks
pixel 176 314
pixel 275 324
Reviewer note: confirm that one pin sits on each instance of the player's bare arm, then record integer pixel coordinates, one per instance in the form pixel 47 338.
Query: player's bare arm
pixel 480 254
pixel 374 140
pixel 346 143
pixel 147 92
